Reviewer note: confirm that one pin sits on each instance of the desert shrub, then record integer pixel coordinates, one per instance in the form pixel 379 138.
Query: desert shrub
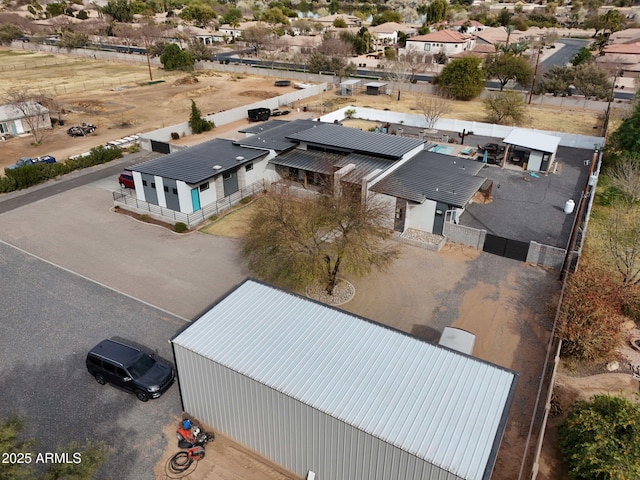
pixel 600 439
pixel 246 200
pixel 145 218
pixel 180 227
pixel 590 322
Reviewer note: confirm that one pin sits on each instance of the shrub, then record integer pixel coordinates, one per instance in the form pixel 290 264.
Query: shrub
pixel 246 200
pixel 600 439
pixel 590 324
pixel 180 227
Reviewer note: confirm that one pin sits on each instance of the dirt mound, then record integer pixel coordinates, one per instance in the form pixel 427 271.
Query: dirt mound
pixel 258 94
pixel 188 80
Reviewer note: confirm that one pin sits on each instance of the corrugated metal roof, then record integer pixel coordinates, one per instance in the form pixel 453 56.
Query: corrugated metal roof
pixel 277 138
pixel 433 176
pixel 263 126
pixel 357 141
pixel 442 406
pixel 195 164
pixel 364 165
pixel 533 140
pixel 309 160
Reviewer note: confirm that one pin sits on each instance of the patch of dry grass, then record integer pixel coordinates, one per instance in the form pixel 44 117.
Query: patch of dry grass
pixel 234 223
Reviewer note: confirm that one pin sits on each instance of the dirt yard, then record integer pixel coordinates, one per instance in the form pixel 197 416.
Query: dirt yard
pixel 121 101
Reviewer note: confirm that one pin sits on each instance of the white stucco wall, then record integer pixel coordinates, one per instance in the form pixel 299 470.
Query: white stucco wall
pixel 208 196
pixel 260 169
pixel 137 180
pixel 184 197
pixel 421 216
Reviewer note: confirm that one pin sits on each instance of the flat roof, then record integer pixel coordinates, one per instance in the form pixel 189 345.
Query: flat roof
pixel 533 140
pixel 442 406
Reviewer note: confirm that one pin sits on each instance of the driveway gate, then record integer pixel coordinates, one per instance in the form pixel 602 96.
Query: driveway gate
pixel 506 247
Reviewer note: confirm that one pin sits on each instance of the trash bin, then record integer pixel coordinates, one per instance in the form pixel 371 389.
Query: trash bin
pixel 61 123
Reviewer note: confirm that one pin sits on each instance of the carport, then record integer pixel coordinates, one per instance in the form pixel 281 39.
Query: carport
pixel 534 151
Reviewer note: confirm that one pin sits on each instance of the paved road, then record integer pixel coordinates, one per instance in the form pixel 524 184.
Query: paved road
pixel 563 55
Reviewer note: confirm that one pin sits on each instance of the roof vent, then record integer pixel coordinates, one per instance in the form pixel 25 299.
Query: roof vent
pixel 239 158
pixel 217 167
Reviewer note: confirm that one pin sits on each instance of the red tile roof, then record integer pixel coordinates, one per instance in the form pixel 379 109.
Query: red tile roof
pixel 442 36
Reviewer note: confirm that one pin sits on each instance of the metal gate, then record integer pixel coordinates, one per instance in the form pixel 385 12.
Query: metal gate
pixel 506 247
pixel 160 147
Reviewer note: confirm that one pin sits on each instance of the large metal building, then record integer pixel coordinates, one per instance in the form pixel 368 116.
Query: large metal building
pixel 317 389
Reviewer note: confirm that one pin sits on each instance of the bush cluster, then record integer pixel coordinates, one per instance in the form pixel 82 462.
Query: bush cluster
pixel 25 177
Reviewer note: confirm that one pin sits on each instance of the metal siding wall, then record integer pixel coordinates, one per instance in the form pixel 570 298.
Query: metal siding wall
pixel 289 432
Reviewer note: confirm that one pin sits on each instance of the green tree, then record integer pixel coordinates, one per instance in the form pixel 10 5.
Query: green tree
pixel 504 19
pixel 119 10
pixel 627 137
pixel 55 9
pixel 600 439
pixel 257 36
pixel 198 15
pixel 196 122
pixel 462 78
pixel 274 16
pixel 436 11
pixel 386 16
pixel 9 32
pixel 340 22
pixel 73 40
pixel 583 56
pixel 505 108
pixel 232 16
pixel 199 51
pixel 296 241
pixel 507 67
pixel 174 58
pixel 556 80
pixel 592 81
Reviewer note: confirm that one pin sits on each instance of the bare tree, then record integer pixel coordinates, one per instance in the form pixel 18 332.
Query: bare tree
pixel 433 107
pixel 405 67
pixel 30 106
pixel 625 175
pixel 297 241
pixel 624 242
pixel 257 36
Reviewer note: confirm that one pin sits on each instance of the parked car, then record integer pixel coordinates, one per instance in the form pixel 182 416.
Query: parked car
pixel 126 180
pixel 81 130
pixel 130 368
pixel 26 161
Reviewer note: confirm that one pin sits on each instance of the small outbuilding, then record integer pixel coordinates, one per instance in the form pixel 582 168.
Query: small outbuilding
pixel 348 86
pixel 535 151
pixel 18 119
pixel 316 389
pixel 375 88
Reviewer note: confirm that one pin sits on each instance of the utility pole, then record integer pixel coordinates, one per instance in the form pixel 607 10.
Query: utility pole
pixel 146 49
pixel 535 72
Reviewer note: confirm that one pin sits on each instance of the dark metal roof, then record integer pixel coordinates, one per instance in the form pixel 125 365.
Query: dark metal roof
pixel 451 163
pixel 263 126
pixel 425 177
pixel 196 164
pixel 364 165
pixel 277 138
pixel 357 141
pixel 309 160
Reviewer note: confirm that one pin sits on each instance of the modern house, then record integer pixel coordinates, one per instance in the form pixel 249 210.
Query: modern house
pixel 330 395
pixel 448 42
pixel 190 179
pixel 424 188
pixel 18 119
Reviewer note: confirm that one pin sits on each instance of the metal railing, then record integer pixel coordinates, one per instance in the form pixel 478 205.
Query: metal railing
pixel 132 203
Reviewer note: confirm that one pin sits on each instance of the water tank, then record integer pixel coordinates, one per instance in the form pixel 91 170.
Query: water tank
pixel 569 206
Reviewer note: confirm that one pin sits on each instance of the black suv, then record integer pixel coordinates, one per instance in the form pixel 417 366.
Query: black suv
pixel 129 368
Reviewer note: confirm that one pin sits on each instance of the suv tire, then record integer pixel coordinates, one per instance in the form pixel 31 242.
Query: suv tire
pixel 142 396
pixel 100 379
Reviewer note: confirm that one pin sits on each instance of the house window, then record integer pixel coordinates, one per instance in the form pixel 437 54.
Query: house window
pixel 248 167
pixel 153 185
pixel 144 183
pixel 4 128
pixel 427 47
pixel 204 186
pixel 227 175
pixel 175 191
pixel 166 189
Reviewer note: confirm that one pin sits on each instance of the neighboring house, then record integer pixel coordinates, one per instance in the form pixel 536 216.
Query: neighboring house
pixel 628 35
pixel 448 42
pixel 534 151
pixel 467 26
pixel 424 188
pixel 623 57
pixel 13 118
pixel 479 51
pixel 388 33
pixel 328 392
pixel 190 179
pixel 350 20
pixel 230 32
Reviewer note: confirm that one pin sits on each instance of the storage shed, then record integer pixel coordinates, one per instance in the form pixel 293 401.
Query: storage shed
pixel 314 388
pixel 535 151
pixel 375 88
